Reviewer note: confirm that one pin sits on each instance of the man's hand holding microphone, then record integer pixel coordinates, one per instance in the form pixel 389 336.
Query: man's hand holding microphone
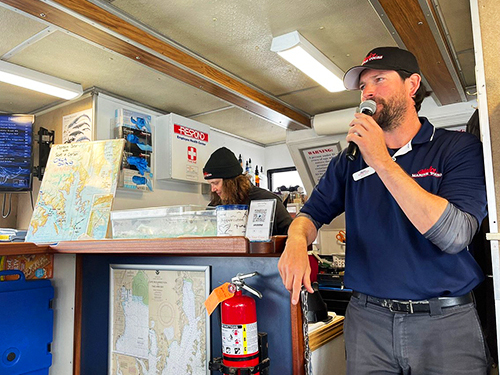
pixel 368 107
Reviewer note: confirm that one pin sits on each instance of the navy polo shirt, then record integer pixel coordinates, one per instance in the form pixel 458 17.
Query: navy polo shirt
pixel 386 256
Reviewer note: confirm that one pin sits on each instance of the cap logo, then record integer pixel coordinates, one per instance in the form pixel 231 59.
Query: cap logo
pixel 371 57
pixel 206 174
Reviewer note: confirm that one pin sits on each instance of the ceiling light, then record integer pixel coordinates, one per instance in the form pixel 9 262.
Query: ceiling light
pixel 297 50
pixel 33 80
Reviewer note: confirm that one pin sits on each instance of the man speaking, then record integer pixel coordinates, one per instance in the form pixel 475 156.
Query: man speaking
pixel 413 200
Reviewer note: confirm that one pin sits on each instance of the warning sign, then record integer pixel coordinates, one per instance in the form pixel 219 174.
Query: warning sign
pixel 240 339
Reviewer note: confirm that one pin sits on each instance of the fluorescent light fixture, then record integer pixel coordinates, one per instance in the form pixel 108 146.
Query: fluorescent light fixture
pixel 33 80
pixel 297 50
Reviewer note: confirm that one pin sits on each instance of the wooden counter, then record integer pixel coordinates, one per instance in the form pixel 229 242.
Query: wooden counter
pixel 321 333
pixel 210 246
pixel 22 248
pixel 170 247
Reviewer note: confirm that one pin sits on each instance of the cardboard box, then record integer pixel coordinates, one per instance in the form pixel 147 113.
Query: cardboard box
pixel 132 149
pixel 39 266
pixel 132 179
pixel 142 140
pixel 133 120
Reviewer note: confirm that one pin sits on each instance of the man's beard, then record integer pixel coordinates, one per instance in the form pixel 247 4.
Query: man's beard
pixel 392 113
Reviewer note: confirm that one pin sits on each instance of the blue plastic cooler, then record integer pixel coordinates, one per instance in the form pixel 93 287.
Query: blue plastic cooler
pixel 26 324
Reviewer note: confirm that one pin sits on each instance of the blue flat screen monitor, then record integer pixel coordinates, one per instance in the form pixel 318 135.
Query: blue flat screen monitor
pixel 16 152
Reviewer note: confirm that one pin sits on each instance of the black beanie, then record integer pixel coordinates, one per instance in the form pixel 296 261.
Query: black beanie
pixel 222 164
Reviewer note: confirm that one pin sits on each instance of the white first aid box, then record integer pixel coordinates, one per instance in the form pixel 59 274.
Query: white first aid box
pixel 181 148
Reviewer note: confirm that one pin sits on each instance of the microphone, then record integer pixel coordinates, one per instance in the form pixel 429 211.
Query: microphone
pixel 368 107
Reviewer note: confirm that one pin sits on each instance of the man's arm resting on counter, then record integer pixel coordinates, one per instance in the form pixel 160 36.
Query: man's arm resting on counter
pixel 294 265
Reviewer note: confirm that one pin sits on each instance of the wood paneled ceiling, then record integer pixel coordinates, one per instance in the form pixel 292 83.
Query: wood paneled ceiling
pixel 212 59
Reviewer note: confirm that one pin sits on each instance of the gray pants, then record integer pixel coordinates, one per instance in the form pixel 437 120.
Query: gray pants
pixel 380 342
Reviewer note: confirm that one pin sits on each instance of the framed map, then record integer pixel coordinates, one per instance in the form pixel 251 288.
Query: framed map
pixel 158 322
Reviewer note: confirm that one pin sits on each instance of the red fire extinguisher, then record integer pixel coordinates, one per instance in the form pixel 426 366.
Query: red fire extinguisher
pixel 240 341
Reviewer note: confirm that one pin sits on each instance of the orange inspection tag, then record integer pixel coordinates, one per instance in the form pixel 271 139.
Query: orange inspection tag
pixel 219 294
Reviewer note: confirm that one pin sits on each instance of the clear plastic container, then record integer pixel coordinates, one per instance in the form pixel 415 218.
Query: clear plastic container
pixel 164 222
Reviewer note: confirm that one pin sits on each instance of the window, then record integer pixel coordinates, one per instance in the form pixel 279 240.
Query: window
pixel 283 177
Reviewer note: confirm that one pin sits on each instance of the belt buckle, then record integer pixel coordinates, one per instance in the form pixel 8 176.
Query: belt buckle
pixel 391 303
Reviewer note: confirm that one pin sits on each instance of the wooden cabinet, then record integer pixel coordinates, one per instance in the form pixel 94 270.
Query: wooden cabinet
pixel 81 280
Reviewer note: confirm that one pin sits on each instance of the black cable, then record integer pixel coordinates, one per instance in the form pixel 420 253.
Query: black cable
pixel 32 205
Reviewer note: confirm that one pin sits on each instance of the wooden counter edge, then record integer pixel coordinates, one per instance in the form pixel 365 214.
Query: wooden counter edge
pixel 326 333
pixel 21 248
pixel 182 245
pixel 175 246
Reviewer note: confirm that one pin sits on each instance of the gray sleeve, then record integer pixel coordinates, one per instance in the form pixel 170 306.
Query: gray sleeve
pixel 453 231
pixel 316 223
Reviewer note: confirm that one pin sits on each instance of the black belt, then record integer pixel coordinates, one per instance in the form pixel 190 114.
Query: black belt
pixel 421 306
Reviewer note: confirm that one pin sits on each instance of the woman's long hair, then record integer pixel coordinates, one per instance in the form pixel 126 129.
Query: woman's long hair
pixel 235 191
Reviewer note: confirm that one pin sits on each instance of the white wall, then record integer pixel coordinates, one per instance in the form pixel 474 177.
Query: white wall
pixel 238 146
pixel 278 156
pixel 169 193
pixel 166 193
pixel 64 282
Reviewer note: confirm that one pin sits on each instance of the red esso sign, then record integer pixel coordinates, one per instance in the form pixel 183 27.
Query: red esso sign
pixel 191 133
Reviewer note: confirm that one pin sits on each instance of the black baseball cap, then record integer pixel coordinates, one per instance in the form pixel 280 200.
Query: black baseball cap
pixel 382 58
pixel 222 164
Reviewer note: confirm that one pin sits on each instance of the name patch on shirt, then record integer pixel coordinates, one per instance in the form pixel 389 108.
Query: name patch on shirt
pixel 363 173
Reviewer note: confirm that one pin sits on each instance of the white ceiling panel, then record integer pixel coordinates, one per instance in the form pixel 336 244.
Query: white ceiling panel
pixel 234 35
pixel 14 99
pixel 237 35
pixel 318 100
pixel 70 58
pixel 244 124
pixel 15 28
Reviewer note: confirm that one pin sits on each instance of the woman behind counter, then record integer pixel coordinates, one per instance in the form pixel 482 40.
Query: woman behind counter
pixel 230 186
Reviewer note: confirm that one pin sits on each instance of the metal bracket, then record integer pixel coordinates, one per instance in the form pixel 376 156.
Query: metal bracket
pixel 45 139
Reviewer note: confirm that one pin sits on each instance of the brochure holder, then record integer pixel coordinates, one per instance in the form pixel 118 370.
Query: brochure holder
pixel 261 220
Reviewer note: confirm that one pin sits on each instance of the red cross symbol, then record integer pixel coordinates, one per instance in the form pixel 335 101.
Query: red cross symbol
pixel 192 154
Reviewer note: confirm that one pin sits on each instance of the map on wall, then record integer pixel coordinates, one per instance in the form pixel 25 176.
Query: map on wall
pixel 158 322
pixel 77 191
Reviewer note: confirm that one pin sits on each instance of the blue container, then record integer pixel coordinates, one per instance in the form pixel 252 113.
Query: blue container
pixel 232 207
pixel 26 325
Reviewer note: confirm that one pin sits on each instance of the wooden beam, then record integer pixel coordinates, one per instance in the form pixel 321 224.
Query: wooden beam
pixel 185 68
pixel 413 28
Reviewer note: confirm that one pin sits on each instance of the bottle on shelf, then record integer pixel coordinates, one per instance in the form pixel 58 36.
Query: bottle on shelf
pixel 257 179
pixel 262 178
pixel 250 171
pixel 240 160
